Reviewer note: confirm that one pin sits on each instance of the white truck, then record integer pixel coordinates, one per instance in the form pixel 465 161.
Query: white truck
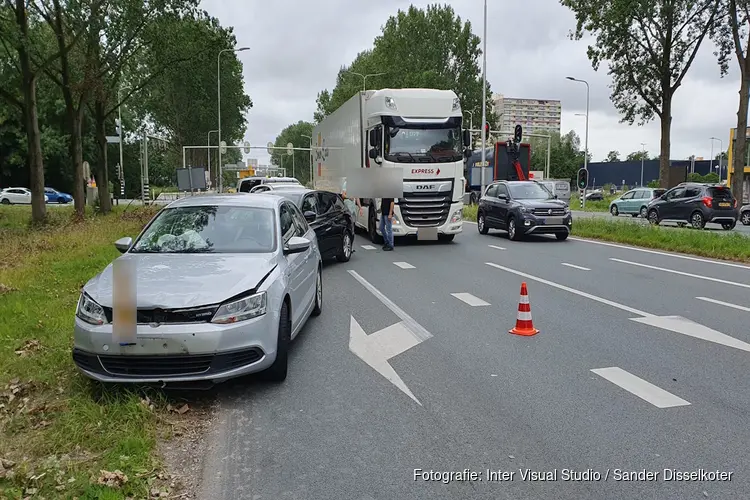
pixel 418 131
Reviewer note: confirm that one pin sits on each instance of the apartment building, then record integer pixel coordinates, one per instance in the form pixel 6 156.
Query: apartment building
pixel 534 115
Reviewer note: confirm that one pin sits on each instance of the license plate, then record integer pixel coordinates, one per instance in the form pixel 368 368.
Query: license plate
pixel 725 205
pixel 553 221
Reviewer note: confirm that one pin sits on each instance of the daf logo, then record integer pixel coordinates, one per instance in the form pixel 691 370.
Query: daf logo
pixel 425 187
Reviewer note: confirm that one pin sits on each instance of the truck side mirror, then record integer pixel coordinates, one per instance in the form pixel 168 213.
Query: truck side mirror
pixel 374 138
pixel 467 138
pixel 373 154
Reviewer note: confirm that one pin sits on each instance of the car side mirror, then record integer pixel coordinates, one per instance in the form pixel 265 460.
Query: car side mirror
pixel 467 138
pixel 296 245
pixel 373 154
pixel 502 197
pixel 123 244
pixel 310 216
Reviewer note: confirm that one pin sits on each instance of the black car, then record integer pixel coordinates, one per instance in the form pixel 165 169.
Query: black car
pixel 697 204
pixel 521 208
pixel 328 217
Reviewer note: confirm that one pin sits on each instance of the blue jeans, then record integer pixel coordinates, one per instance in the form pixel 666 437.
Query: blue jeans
pixel 386 227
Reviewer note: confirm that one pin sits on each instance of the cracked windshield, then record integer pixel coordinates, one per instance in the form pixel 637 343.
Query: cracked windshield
pixel 374 250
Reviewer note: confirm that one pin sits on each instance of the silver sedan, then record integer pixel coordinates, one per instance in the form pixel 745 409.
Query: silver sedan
pixel 222 284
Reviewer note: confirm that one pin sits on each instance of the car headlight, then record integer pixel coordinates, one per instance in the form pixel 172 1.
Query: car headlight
pixel 567 210
pixel 241 310
pixel 457 216
pixel 525 210
pixel 89 311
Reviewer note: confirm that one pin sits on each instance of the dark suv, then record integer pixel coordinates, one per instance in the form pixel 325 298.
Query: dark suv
pixel 523 207
pixel 696 204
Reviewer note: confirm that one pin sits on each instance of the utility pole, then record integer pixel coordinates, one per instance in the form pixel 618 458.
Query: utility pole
pixel 484 97
pixel 643 157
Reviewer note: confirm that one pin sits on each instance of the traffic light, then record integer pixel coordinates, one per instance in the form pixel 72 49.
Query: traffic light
pixel 518 134
pixel 583 178
pixel 487 129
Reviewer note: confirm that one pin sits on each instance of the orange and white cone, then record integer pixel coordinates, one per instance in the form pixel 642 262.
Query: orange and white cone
pixel 524 324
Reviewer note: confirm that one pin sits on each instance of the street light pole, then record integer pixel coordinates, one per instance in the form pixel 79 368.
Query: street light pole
pixel 643 157
pixel 721 153
pixel 311 157
pixel 218 104
pixel 586 140
pixel 484 97
pixel 209 153
pixel 364 78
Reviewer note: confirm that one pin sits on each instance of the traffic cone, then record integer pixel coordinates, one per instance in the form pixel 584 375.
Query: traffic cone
pixel 524 324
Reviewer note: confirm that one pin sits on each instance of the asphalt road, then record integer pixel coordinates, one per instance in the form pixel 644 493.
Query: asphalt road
pixel 466 394
pixel 744 230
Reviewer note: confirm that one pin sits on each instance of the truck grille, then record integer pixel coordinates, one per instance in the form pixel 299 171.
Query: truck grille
pixel 546 211
pixel 425 209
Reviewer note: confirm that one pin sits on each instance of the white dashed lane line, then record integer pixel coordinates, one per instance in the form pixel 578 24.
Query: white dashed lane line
pixel 470 299
pixel 404 265
pixel 641 388
pixel 576 267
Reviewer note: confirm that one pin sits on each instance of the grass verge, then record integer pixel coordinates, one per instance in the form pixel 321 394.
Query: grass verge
pixel 592 206
pixel 59 436
pixel 735 247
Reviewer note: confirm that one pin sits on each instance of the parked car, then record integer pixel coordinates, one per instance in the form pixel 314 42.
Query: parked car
pixel 17 196
pixel 55 196
pixel 225 283
pixel 329 217
pixel 268 188
pixel 558 187
pixel 595 195
pixel 248 183
pixel 696 204
pixel 521 208
pixel 635 202
pixel 745 215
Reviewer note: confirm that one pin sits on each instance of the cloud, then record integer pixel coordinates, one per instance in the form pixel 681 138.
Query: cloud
pixel 297 49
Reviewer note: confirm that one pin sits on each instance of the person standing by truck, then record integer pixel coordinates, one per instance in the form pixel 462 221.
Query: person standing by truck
pixel 386 222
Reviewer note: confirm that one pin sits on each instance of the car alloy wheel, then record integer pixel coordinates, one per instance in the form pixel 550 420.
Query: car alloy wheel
pixel 614 211
pixel 318 294
pixel 347 243
pixel 745 219
pixel 697 220
pixel 644 212
pixel 653 217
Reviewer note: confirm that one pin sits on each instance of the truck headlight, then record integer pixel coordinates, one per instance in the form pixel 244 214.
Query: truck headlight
pixel 390 103
pixel 89 311
pixel 241 310
pixel 456 104
pixel 457 216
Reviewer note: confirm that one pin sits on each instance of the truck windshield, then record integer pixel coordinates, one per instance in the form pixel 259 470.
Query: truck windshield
pixel 528 191
pixel 410 145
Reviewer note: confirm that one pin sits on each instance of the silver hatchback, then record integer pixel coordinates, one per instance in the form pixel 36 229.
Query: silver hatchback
pixel 222 286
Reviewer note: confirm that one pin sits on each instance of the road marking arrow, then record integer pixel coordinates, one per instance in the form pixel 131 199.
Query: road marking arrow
pixel 377 348
pixel 678 324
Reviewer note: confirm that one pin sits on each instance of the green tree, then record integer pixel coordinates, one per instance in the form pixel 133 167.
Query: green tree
pixel 298 134
pixel 613 156
pixel 566 156
pixel 181 102
pixel 637 156
pixel 649 47
pixel 733 29
pixel 427 48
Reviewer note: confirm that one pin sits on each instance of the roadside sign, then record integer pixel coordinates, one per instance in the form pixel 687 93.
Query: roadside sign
pixel 482 164
pixel 289 148
pixel 269 148
pixel 247 147
pixel 223 147
pixel 113 139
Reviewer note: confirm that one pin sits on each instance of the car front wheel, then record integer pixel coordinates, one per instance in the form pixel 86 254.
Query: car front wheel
pixel 744 218
pixel 482 224
pixel 513 232
pixel 278 370
pixel 345 253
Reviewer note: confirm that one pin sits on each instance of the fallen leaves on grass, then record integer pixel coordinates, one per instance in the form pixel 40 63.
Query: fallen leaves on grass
pixel 6 289
pixel 181 410
pixel 28 347
pixel 5 468
pixel 112 479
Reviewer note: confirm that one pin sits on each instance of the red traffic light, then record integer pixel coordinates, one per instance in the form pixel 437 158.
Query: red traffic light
pixel 486 129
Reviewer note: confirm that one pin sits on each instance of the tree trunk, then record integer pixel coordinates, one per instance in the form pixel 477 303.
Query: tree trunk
pixel 102 173
pixel 31 119
pixel 666 128
pixel 76 155
pixel 740 142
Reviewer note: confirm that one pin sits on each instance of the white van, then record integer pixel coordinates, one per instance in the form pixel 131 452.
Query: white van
pixel 560 188
pixel 248 183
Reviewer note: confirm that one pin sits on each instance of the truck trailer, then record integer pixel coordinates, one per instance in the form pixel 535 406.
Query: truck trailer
pixel 417 131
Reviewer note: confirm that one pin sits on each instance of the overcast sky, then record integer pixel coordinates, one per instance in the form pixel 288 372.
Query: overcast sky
pixel 297 48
